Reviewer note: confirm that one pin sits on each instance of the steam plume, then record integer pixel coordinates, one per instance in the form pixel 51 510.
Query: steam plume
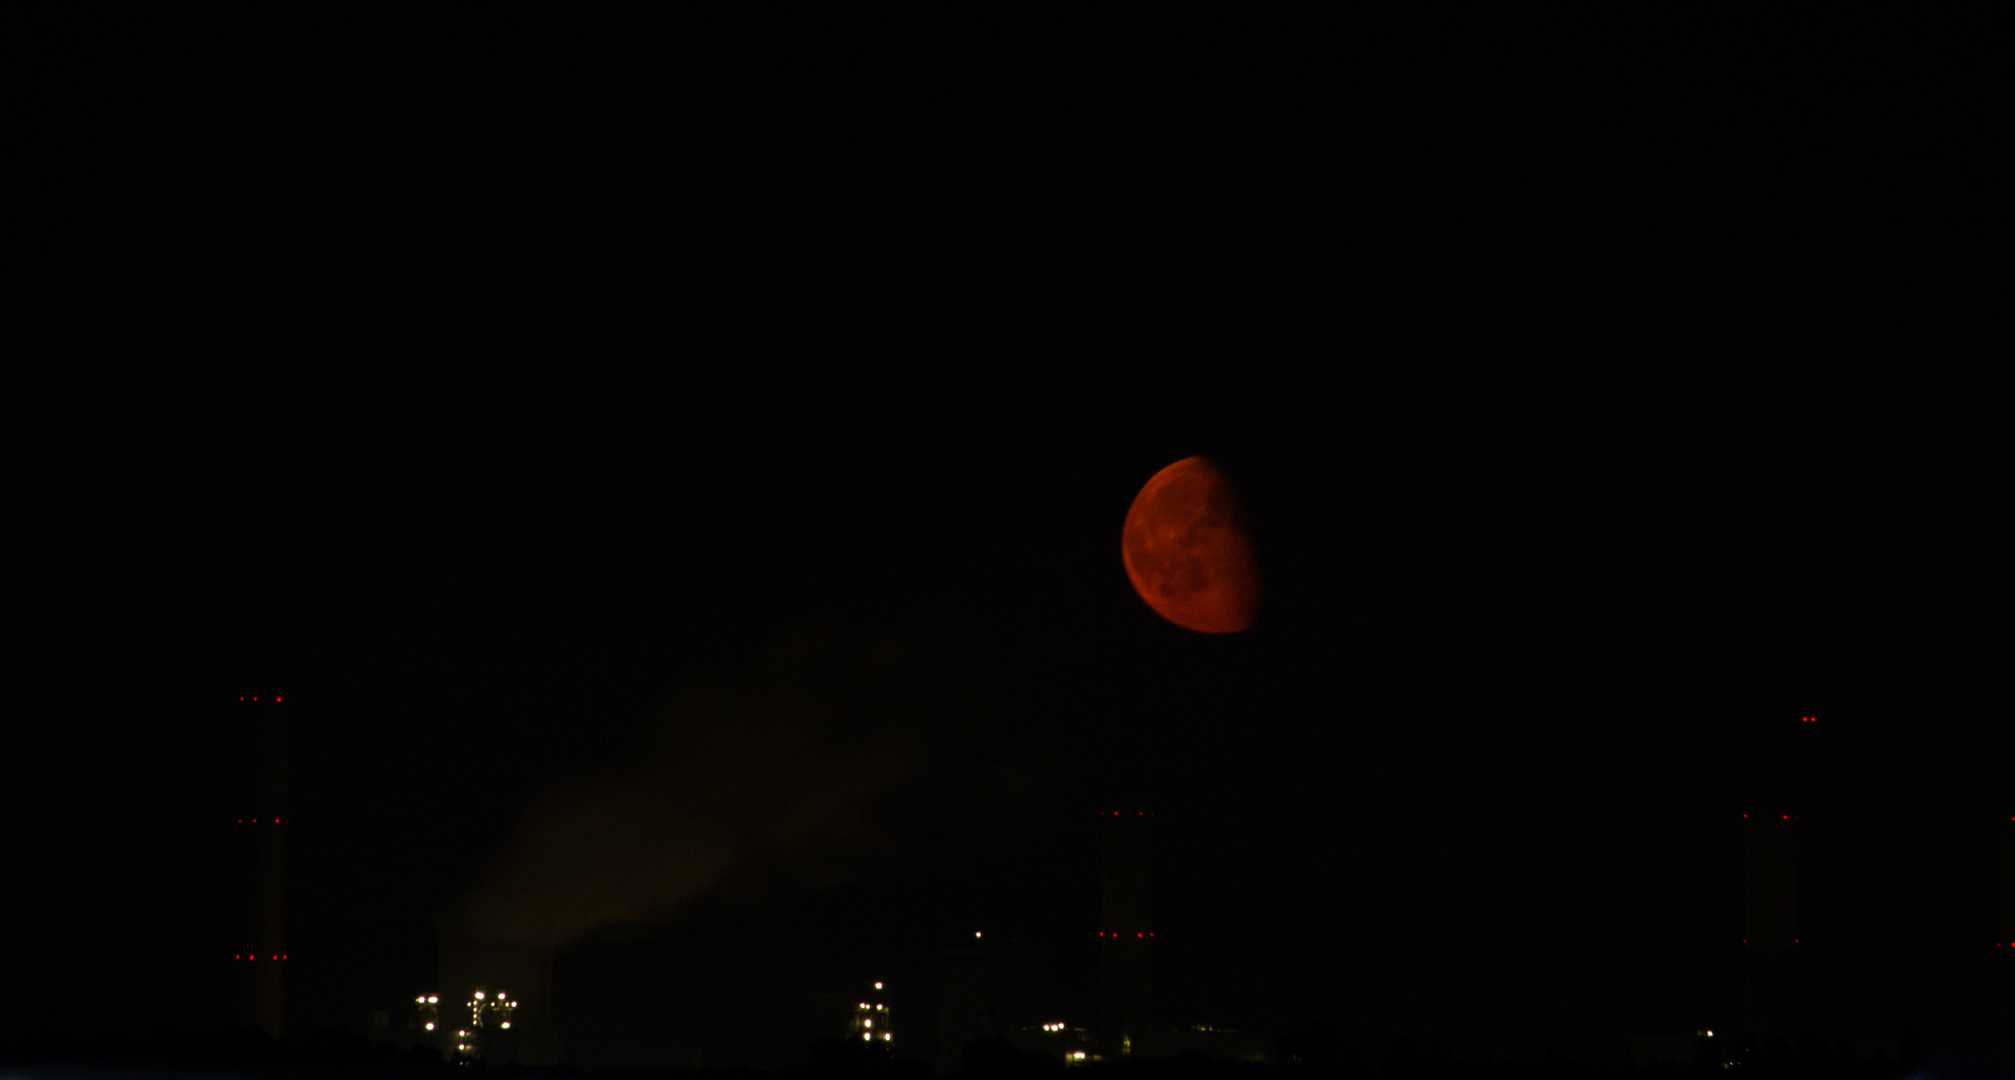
pixel 769 770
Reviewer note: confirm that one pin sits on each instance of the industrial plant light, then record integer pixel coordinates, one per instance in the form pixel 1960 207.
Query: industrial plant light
pixel 878 986
pixel 479 995
pixel 432 998
pixel 430 1027
pixel 507 1023
pixel 867 1036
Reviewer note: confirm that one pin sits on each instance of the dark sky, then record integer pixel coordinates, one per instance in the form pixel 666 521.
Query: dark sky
pixel 497 395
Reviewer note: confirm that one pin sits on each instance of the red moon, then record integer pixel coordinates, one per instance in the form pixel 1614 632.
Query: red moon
pixel 1186 550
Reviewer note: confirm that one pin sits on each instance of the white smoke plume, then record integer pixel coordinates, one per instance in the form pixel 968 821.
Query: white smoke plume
pixel 769 771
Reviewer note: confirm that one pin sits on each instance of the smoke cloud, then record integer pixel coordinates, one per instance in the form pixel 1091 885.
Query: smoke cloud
pixel 768 772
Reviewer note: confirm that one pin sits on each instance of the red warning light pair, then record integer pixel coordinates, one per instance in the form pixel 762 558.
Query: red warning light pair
pixel 1808 719
pixel 255 956
pixel 276 701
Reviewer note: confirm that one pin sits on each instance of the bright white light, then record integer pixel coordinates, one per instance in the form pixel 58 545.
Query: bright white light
pixel 430 1026
pixel 479 995
pixel 422 999
pixel 869 1022
pixel 507 1023
pixel 878 986
pixel 886 1036
pixel 976 933
pixel 867 1036
pixel 432 998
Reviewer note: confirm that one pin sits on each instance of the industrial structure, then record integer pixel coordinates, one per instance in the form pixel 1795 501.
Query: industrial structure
pixel 965 998
pixel 2004 942
pixel 1770 921
pixel 1126 930
pixel 871 1022
pixel 261 952
pixel 503 995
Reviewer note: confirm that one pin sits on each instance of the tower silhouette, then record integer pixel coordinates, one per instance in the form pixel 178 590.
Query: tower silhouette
pixel 2004 942
pixel 262 955
pixel 1770 921
pixel 1126 930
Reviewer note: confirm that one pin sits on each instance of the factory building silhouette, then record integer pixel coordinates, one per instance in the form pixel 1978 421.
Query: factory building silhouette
pixel 495 1000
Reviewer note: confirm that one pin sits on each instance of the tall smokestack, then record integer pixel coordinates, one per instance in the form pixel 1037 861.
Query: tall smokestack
pixel 264 1003
pixel 2004 944
pixel 1770 922
pixel 1126 929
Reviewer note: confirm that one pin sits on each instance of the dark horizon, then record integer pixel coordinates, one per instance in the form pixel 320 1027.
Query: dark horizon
pixel 686 528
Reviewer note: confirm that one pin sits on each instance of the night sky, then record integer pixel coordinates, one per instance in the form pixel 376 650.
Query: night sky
pixel 737 428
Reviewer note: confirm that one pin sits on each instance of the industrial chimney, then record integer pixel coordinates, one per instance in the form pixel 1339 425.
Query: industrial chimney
pixel 262 953
pixel 2004 944
pixel 1770 921
pixel 1126 930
